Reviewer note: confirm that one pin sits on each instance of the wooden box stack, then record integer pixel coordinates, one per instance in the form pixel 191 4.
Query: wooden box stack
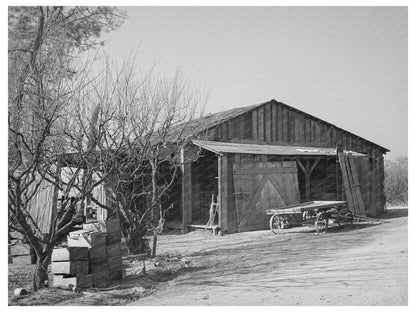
pixel 70 267
pixel 92 258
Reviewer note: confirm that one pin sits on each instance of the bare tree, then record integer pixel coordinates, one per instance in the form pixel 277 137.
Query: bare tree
pixel 43 42
pixel 142 150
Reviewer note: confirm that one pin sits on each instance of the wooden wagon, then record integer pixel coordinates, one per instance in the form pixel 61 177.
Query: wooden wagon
pixel 313 213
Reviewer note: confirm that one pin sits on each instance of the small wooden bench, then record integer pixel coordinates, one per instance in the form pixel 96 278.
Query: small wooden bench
pixel 214 228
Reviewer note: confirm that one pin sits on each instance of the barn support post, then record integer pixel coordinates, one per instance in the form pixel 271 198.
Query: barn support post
pixel 220 201
pixel 227 217
pixel 307 171
pixel 186 196
pixel 307 180
pixel 223 194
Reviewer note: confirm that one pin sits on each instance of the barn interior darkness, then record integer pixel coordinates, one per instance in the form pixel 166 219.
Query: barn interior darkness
pixel 325 180
pixel 204 185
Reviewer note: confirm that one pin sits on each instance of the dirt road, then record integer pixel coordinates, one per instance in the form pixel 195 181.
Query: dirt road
pixel 360 265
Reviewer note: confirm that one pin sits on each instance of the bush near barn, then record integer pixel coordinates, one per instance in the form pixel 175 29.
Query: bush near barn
pixel 396 180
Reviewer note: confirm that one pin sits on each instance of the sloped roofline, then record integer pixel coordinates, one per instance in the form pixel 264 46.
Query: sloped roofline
pixel 255 106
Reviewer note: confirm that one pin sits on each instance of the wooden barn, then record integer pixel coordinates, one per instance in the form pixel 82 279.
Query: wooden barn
pixel 258 157
pixel 271 155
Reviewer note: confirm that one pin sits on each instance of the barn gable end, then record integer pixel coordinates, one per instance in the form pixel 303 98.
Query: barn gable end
pixel 280 124
pixel 275 124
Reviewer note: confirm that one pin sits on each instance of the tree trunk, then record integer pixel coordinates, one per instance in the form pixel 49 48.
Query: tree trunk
pixel 154 210
pixel 40 275
pixel 33 257
pixel 154 244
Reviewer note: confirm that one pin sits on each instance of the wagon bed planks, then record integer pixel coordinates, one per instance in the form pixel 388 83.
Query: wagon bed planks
pixel 306 206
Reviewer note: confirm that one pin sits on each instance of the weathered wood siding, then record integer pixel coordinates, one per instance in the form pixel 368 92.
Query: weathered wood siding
pixel 40 206
pixel 276 123
pixel 243 209
pixel 279 124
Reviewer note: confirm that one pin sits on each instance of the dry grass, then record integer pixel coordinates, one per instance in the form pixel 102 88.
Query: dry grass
pixel 132 288
pixel 20 276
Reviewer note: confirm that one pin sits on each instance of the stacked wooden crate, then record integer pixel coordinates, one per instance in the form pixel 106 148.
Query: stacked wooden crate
pixel 70 267
pixel 92 258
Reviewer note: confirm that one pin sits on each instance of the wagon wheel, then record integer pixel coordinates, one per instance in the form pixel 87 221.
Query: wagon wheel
pixel 346 216
pixel 276 224
pixel 321 223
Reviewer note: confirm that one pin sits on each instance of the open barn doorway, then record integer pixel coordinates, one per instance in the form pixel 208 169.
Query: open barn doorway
pixel 204 187
pixel 319 179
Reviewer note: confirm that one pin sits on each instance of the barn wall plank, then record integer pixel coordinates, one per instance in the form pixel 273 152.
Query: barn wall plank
pixel 273 122
pixel 233 130
pixel 226 189
pixel 322 134
pixel 279 123
pixel 260 120
pixel 254 125
pixel 241 126
pixel 291 137
pixel 41 204
pixel 285 122
pixel 313 131
pixel 296 127
pixel 247 126
pixel 308 130
pixel 302 128
pixel 267 123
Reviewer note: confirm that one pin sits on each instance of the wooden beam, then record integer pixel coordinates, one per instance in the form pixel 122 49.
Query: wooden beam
pixel 301 165
pixel 186 196
pixel 314 164
pixel 223 192
pixel 307 171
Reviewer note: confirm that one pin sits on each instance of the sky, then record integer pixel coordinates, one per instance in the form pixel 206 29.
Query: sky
pixel 346 65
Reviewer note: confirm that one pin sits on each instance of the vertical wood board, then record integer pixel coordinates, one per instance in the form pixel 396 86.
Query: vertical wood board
pixel 264 186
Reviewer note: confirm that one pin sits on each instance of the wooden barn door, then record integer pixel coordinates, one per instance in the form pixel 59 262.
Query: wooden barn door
pixel 259 186
pixel 355 177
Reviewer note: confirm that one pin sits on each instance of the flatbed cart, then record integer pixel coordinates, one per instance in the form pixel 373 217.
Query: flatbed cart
pixel 313 213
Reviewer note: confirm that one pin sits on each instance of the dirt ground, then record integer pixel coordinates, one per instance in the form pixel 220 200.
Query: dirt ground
pixel 363 264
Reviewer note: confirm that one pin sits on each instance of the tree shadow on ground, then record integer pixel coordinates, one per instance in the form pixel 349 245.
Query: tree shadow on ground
pixel 153 277
pixel 351 227
pixel 132 288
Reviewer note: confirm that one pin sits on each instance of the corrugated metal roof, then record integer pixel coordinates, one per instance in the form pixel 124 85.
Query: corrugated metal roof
pixel 263 149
